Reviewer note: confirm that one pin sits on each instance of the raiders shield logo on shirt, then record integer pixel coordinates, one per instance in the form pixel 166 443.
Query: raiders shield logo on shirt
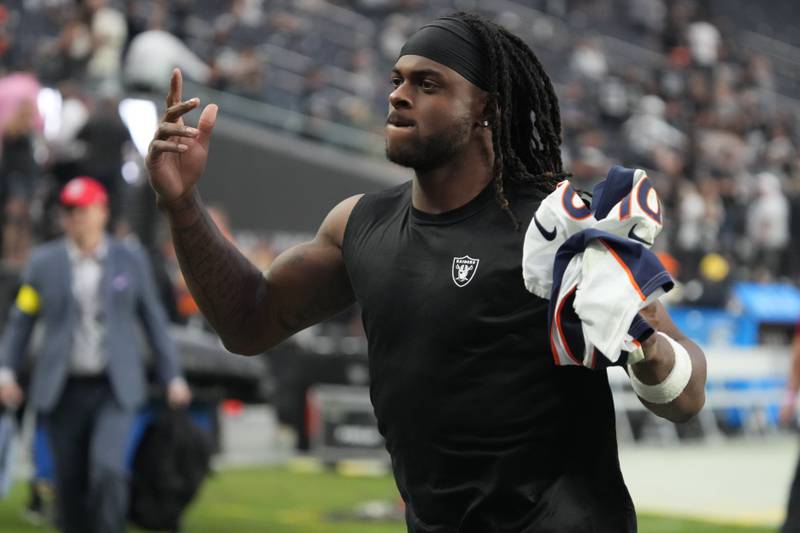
pixel 464 269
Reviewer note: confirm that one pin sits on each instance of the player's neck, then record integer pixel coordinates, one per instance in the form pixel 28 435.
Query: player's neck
pixel 448 187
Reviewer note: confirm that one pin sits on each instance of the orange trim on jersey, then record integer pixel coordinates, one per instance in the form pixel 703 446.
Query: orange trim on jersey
pixel 625 267
pixel 558 326
pixel 646 208
pixel 554 350
pixel 564 204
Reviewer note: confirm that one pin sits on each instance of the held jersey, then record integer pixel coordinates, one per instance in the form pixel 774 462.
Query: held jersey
pixel 485 432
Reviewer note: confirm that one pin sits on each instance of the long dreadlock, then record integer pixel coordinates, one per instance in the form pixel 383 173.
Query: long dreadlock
pixel 526 122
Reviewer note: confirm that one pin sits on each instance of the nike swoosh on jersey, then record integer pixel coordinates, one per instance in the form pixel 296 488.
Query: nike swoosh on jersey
pixel 549 235
pixel 632 235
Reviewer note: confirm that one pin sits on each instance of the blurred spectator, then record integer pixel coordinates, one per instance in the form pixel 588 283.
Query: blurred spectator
pixel 734 203
pixel 648 129
pixel 242 17
pixel 89 379
pixel 153 54
pixel 673 77
pixel 699 215
pixel 779 151
pixel 758 74
pixel 724 152
pixel 394 34
pixel 109 31
pixel 241 71
pixel 65 152
pixel 73 49
pixel 16 88
pixel 704 40
pixel 588 60
pixel 104 137
pixel 768 223
pixel 19 176
pixel 648 15
pixel 614 100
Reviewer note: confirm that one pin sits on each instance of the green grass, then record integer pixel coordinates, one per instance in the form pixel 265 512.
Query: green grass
pixel 281 501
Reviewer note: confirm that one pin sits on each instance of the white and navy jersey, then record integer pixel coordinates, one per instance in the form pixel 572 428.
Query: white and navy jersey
pixel 596 298
pixel 485 432
pixel 594 265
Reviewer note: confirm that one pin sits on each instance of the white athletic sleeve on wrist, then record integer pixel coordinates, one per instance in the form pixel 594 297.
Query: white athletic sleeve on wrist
pixel 675 382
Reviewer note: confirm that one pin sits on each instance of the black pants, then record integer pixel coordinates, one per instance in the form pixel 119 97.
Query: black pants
pixel 89 434
pixel 792 523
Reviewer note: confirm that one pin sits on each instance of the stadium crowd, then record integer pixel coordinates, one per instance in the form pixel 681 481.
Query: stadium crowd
pixel 665 85
pixel 671 86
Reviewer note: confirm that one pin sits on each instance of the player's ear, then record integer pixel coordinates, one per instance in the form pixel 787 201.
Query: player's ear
pixel 486 112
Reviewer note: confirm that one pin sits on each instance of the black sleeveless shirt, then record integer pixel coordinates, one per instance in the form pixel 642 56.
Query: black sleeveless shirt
pixel 485 433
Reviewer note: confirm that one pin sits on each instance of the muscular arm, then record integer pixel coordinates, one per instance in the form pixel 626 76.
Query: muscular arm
pixel 252 311
pixel 659 360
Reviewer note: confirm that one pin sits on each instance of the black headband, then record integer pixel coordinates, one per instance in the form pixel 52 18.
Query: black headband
pixel 454 44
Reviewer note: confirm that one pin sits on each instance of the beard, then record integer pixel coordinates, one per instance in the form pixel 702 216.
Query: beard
pixel 431 151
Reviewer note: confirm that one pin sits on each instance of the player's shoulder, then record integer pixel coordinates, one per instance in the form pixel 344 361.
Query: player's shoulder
pixel 525 199
pixel 366 209
pixel 399 194
pixel 375 205
pixel 343 210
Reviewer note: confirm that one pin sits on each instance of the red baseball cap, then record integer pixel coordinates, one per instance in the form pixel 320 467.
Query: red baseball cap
pixel 83 191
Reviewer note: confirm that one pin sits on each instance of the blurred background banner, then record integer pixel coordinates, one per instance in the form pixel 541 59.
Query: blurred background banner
pixel 703 94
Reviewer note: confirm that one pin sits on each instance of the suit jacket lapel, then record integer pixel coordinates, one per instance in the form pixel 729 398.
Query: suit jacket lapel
pixel 63 275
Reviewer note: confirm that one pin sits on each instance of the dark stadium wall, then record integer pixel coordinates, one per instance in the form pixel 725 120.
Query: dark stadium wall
pixel 267 180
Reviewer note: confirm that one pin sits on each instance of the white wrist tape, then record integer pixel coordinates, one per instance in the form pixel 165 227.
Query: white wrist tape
pixel 675 382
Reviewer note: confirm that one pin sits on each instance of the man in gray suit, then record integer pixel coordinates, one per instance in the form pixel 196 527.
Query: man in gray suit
pixel 88 289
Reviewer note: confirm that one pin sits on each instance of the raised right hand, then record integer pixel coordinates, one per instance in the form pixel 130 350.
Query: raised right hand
pixel 178 153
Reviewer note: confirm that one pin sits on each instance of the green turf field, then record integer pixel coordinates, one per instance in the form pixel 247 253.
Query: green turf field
pixel 280 501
